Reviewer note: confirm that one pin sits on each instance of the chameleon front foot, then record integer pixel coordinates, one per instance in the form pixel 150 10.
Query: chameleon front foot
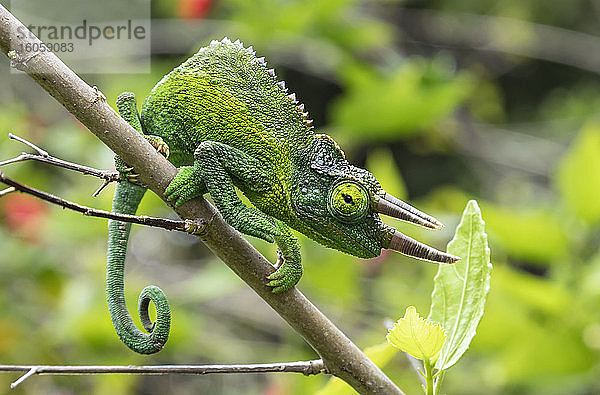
pixel 286 276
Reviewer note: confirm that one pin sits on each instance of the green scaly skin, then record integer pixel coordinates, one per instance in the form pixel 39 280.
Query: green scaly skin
pixel 126 200
pixel 228 123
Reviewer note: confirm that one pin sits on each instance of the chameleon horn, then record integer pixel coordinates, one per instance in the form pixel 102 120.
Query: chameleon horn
pixel 411 247
pixel 396 208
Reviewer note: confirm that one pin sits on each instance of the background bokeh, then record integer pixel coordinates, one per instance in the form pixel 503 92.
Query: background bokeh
pixel 443 100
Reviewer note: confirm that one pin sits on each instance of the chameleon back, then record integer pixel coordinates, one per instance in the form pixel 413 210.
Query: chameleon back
pixel 224 93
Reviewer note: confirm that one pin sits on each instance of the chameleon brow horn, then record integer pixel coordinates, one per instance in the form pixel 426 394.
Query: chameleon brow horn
pixel 396 208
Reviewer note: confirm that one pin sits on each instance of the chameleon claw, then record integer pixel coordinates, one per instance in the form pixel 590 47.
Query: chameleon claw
pixel 286 276
pixel 279 284
pixel 279 260
pixel 159 145
pixel 196 227
pixel 277 289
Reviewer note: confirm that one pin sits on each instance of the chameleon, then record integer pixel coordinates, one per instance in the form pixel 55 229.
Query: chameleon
pixel 227 123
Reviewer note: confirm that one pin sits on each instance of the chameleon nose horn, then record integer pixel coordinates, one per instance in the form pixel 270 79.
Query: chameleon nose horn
pixel 408 246
pixel 396 208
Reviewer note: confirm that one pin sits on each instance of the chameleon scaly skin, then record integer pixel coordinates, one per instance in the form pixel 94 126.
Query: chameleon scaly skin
pixel 126 199
pixel 229 123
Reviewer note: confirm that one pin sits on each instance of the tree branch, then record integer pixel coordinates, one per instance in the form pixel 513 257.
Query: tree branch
pixel 45 157
pixel 307 368
pixel 188 226
pixel 341 357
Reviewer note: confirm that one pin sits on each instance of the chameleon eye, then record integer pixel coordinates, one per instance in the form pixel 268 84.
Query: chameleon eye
pixel 348 201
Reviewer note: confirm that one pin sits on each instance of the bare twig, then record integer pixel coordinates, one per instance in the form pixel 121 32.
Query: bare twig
pixel 168 224
pixel 45 157
pixel 29 143
pixel 307 368
pixel 30 373
pixel 100 188
pixel 7 191
pixel 341 357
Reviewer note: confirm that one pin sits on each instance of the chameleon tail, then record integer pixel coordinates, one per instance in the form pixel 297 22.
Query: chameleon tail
pixel 126 199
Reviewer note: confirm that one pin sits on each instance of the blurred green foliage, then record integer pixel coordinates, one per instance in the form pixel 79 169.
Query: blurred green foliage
pixel 437 118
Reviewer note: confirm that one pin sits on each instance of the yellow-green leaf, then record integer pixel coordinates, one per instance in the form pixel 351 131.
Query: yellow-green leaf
pixel 421 338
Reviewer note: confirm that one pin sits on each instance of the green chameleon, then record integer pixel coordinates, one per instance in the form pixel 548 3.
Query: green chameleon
pixel 226 122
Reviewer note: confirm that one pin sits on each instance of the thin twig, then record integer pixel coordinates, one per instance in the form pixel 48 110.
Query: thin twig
pixel 29 143
pixel 169 224
pixel 307 368
pixel 45 157
pixel 7 191
pixel 104 185
pixel 30 373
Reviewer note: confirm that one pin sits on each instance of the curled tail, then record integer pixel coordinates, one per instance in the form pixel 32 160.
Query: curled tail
pixel 126 200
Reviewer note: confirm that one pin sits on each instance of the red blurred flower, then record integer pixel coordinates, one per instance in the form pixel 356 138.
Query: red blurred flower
pixel 23 214
pixel 193 9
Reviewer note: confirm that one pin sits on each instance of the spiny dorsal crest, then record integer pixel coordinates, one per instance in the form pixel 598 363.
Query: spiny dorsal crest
pixel 271 72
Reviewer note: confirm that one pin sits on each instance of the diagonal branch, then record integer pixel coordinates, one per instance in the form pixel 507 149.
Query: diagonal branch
pixel 341 357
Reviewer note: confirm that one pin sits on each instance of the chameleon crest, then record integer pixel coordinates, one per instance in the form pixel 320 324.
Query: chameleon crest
pixel 223 118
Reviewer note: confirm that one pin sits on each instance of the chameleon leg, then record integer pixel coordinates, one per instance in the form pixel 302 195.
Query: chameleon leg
pixel 127 106
pixel 126 200
pixel 214 167
pixel 290 271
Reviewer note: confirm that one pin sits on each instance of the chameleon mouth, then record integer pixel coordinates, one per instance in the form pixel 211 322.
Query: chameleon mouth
pixel 396 208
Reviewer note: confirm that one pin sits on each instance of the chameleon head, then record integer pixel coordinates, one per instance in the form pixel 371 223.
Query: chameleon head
pixel 340 204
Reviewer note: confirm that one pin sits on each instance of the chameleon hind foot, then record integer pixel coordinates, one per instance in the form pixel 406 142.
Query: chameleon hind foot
pixel 127 173
pixel 188 184
pixel 159 144
pixel 185 186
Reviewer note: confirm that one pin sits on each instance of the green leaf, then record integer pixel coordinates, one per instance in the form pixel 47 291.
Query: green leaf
pixel 578 176
pixel 460 290
pixel 416 336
